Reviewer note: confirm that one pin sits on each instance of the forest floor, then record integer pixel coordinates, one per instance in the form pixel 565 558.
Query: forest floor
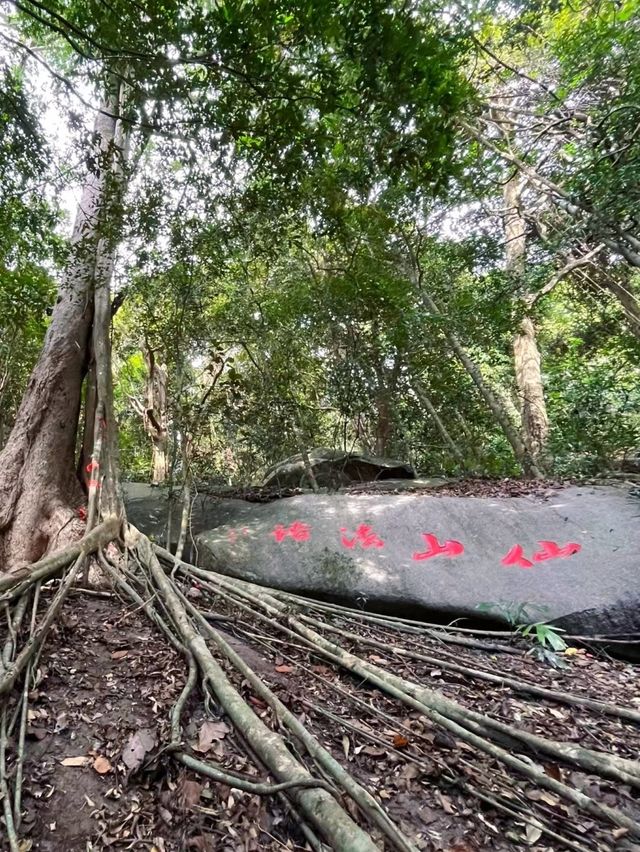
pixel 107 682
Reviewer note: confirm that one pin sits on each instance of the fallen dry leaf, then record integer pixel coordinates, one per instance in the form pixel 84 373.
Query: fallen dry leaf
pixel 79 760
pixel 346 745
pixel 137 747
pixel 189 794
pixel 533 833
pixel 210 732
pixel 399 741
pixel 374 751
pixel 101 765
pixel 553 771
pixel 446 803
pixel 119 655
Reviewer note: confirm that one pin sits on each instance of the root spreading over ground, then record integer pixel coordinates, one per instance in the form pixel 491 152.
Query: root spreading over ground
pixel 182 709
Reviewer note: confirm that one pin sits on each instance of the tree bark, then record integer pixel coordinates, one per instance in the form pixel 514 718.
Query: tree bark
pixel 520 450
pixel 387 380
pixel 535 422
pixel 626 298
pixel 423 399
pixel 155 414
pixel 526 354
pixel 39 487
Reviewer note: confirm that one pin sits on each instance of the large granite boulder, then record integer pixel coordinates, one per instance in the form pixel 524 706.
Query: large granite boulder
pixel 574 554
pixel 158 513
pixel 333 468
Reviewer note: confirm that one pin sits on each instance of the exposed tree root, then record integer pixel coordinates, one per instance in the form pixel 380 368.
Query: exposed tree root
pixel 323 758
pixel 502 680
pixel 483 732
pixel 407 625
pixel 39 635
pixel 317 805
pixel 13 585
pixel 313 793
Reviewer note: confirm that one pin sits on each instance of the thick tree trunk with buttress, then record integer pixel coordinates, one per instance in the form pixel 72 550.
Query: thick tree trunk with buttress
pixel 526 354
pixel 39 486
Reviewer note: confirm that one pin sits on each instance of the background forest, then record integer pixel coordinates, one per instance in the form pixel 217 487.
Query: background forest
pixel 424 244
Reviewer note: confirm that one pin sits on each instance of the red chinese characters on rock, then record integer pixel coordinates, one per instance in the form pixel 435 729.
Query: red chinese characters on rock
pixel 364 536
pixel 548 550
pixel 232 535
pixel 297 531
pixel 450 548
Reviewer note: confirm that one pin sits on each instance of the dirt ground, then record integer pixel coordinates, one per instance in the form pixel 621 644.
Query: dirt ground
pixel 96 777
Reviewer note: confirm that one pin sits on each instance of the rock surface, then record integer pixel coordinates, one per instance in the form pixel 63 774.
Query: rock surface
pixel 575 553
pixel 334 468
pixel 158 515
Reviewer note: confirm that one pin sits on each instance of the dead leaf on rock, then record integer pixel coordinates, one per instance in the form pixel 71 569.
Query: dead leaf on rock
pixel 210 732
pixel 137 747
pixel 78 760
pixel 101 765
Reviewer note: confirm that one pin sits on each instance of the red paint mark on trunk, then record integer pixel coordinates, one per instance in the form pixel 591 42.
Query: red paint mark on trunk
pixel 450 548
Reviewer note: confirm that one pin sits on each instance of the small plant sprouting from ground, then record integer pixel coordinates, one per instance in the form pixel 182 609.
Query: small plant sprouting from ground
pixel 546 638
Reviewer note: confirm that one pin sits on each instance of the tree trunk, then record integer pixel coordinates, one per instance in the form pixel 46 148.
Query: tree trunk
pixel 535 422
pixel 155 414
pixel 387 381
pixel 423 399
pixel 511 433
pixel 627 300
pixel 520 450
pixel 526 355
pixel 39 487
pixel 383 425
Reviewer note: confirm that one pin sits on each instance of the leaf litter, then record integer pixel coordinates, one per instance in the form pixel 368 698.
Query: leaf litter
pixel 99 715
